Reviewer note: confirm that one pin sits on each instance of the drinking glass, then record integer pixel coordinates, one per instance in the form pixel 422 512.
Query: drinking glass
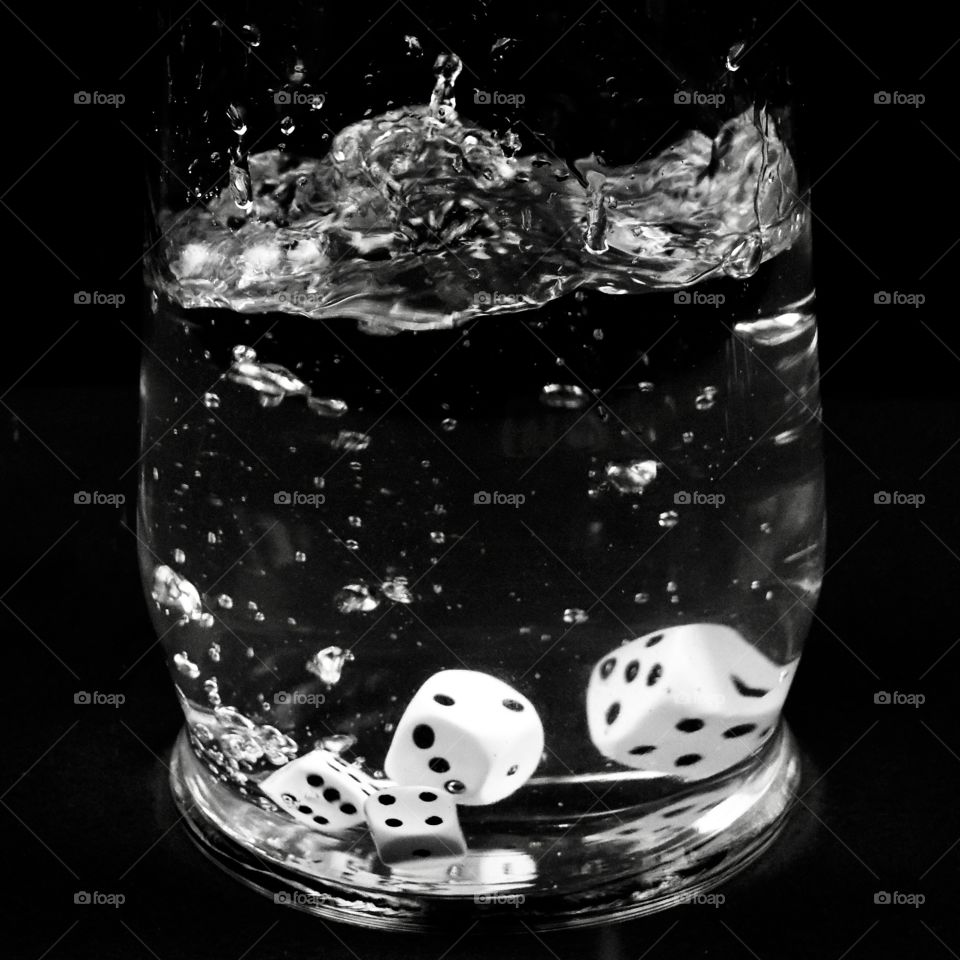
pixel 481 361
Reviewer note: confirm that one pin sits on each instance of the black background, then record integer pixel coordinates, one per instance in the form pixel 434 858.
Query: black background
pixel 85 805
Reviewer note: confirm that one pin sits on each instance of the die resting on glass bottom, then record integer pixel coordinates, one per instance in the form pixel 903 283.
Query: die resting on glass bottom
pixel 677 706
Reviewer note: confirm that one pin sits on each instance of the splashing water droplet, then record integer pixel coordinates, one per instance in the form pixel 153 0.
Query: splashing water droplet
pixel 744 260
pixel 733 56
pixel 413 45
pixel 443 103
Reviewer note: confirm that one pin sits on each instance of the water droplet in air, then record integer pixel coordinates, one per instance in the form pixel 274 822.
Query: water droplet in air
pixel 575 615
pixel 397 589
pixel 356 598
pixel 213 652
pixel 563 396
pixel 703 402
pixel 413 45
pixel 179 556
pixel 632 477
pixel 645 386
pixel 438 536
pixel 671 586
pixel 733 56
pixel 449 424
pixel 225 601
pixel 668 519
pixel 183 663
pixel 688 436
pixel 211 401
pixel 328 664
pixel 351 544
pixel 300 557
pixel 641 597
pixel 354 521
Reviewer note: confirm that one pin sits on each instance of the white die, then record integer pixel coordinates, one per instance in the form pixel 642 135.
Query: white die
pixel 688 701
pixel 415 825
pixel 467 733
pixel 321 790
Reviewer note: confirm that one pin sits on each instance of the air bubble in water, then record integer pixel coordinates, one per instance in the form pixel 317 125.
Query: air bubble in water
pixel 632 477
pixel 183 663
pixel 733 56
pixel 645 386
pixel 355 521
pixel 668 519
pixel 688 436
pixel 225 601
pixel 287 126
pixel 438 536
pixel 563 396
pixel 213 652
pixel 766 527
pixel 327 406
pixel 704 401
pixel 351 544
pixel 211 401
pixel 243 354
pixel 744 260
pixel 179 556
pixel 575 615
pixel 300 557
pixel 351 440
pixel 328 664
pixel 356 598
pixel 251 33
pixel 449 425
pixel 176 593
pixel 397 589
pixel 267 379
pixel 641 597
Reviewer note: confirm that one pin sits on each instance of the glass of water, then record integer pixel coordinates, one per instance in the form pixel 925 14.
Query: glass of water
pixel 481 500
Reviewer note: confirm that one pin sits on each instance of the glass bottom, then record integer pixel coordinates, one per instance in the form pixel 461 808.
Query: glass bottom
pixel 615 866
